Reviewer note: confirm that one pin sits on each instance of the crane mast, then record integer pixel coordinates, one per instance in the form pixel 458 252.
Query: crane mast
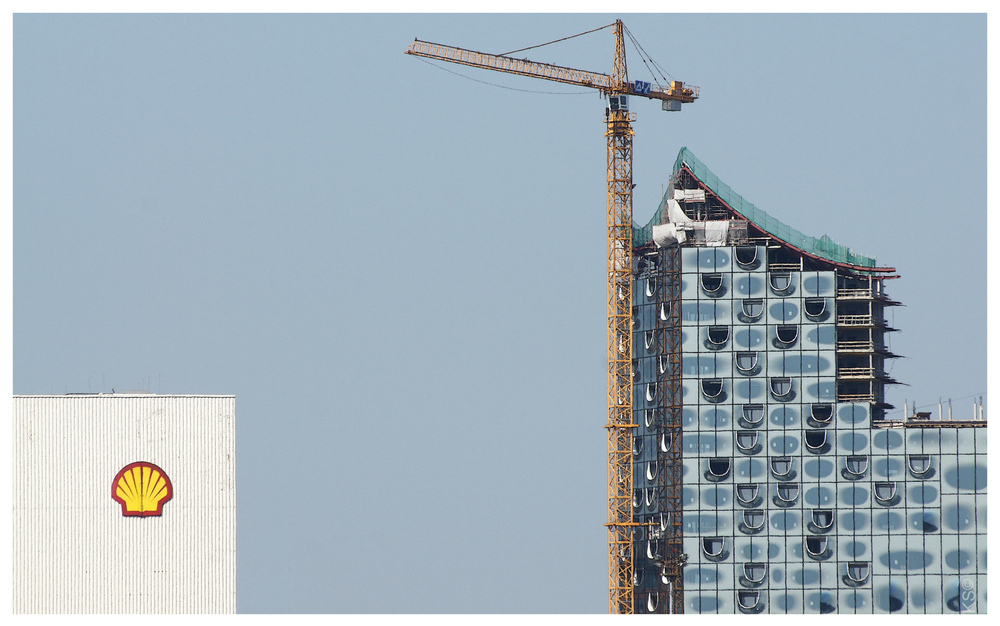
pixel 619 136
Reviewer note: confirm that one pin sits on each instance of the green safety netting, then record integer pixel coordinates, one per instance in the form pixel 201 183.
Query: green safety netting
pixel 823 247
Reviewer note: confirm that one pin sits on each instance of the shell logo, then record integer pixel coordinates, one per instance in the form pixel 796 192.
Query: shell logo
pixel 142 489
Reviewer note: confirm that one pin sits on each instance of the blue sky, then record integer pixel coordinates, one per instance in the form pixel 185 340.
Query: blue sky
pixel 399 271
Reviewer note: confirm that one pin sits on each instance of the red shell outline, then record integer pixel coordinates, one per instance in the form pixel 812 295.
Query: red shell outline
pixel 159 505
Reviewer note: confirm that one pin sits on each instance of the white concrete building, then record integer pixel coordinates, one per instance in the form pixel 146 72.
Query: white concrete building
pixel 124 503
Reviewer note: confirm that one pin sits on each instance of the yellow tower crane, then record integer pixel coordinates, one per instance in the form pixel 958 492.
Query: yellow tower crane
pixel 617 88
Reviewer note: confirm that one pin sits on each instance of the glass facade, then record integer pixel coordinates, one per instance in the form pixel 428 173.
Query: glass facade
pixel 795 495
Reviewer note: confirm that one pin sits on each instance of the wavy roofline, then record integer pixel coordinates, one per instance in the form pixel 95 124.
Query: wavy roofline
pixel 822 248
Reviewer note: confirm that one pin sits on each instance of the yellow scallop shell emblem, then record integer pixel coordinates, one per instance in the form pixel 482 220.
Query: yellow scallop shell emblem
pixel 141 488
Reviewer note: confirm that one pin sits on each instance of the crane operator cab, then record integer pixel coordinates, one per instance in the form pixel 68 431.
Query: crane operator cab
pixel 619 103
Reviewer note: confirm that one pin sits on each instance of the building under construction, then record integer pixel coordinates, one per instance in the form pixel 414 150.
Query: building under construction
pixel 766 477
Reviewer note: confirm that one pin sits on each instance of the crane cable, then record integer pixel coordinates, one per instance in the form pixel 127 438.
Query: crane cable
pixel 643 55
pixel 557 40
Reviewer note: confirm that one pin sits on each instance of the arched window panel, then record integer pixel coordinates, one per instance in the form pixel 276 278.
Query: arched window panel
pixel 783 468
pixel 855 467
pixel 637 577
pixel 749 601
pixel 717 337
pixel 753 521
pixel 649 495
pixel 821 413
pixel 713 285
pixel 747 257
pixel 817 441
pixel 713 389
pixel 714 548
pixel 857 574
pixel 664 311
pixel 752 415
pixel 652 468
pixel 919 466
pixel 754 573
pixel 649 340
pixel 751 310
pixel 637 499
pixel 654 551
pixel 781 389
pixel 718 469
pixel 636 446
pixel 747 442
pixel 636 371
pixel 818 548
pixel 649 417
pixel 748 494
pixel 748 363
pixel 886 493
pixel 636 318
pixel 652 601
pixel 782 283
pixel 665 440
pixel 785 336
pixel 662 363
pixel 815 309
pixel 822 521
pixel 651 287
pixel 650 392
pixel 787 494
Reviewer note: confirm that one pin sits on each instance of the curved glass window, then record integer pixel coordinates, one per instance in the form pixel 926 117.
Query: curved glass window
pixel 748 599
pixel 650 391
pixel 746 440
pixel 755 572
pixel 637 499
pixel 650 496
pixel 822 413
pixel 664 310
pixel 649 339
pixel 651 601
pixel 746 363
pixel 781 387
pixel 718 335
pixel 746 493
pixel 919 464
pixel 786 335
pixel 753 414
pixel 822 518
pixel 636 446
pixel 651 470
pixel 665 440
pixel 650 287
pixel 746 257
pixel 713 546
pixel 649 417
pixel 781 466
pixel 788 492
pixel 711 387
pixel 719 468
pixel 652 550
pixel 637 577
pixel 754 520
pixel 816 546
pixel 857 466
pixel 711 283
pixel 858 572
pixel 814 307
pixel 781 282
pixel 816 441
pixel 636 371
pixel 885 491
pixel 752 309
